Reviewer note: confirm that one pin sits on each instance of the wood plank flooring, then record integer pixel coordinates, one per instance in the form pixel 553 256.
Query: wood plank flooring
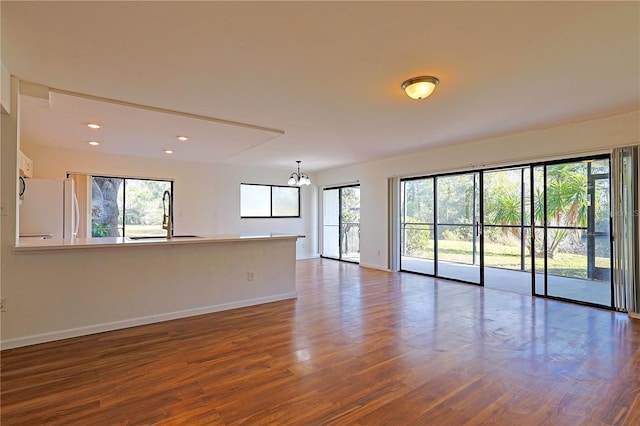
pixel 358 347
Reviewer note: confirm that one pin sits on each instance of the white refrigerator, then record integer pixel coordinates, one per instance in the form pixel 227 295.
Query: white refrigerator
pixel 48 209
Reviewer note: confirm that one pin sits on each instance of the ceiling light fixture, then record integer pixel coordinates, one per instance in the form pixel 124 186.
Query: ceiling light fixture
pixel 93 126
pixel 168 151
pixel 420 87
pixel 298 178
pixel 183 138
pixel 94 143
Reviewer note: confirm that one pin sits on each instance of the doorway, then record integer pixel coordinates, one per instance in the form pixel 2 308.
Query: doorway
pixel 507 229
pixel 341 223
pixel 572 201
pixel 440 229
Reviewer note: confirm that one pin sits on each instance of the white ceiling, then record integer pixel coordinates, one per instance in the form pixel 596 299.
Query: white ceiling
pixel 326 73
pixel 63 120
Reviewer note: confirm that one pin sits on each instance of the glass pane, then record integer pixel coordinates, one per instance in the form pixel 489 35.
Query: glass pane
pixel 458 253
pixel 539 262
pixel 568 275
pixel 458 242
pixel 570 260
pixel 538 215
pixel 538 196
pixel 566 187
pixel 455 244
pixel 144 208
pixel 418 201
pixel 503 197
pixel 578 254
pixel 507 260
pixel 600 166
pixel 418 251
pixel 331 222
pixel 601 207
pixel 456 199
pixel 285 201
pixel 507 257
pixel 417 227
pixel 255 200
pixel 350 238
pixel 503 248
pixel 106 207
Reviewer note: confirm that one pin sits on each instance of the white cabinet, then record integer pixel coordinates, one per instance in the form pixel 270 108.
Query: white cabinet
pixel 25 165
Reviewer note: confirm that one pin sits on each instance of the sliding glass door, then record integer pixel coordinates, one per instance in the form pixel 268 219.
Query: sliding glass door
pixel 440 229
pixel 417 226
pixel 507 229
pixel 341 223
pixel 578 243
pixel 538 229
pixel 458 227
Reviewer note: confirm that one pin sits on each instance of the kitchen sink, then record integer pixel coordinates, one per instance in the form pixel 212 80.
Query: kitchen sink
pixel 159 237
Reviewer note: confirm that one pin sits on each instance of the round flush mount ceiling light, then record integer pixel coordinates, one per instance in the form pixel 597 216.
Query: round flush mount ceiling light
pixel 420 87
pixel 93 126
pixel 168 151
pixel 183 138
pixel 94 143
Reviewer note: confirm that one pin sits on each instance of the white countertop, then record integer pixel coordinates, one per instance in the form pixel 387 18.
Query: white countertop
pixel 37 244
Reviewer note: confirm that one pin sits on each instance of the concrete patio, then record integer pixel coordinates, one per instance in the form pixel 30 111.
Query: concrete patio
pixel 516 281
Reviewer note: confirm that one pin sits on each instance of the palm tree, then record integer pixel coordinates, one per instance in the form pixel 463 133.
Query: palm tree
pixel 566 202
pixel 567 206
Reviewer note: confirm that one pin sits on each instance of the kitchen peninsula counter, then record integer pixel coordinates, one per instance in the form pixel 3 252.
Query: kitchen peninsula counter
pixel 40 244
pixel 111 283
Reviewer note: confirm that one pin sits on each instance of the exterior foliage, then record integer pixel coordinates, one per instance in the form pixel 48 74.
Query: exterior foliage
pixel 507 208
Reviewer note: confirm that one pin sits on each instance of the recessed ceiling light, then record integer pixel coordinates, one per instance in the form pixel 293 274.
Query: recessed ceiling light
pixel 183 138
pixel 168 151
pixel 94 143
pixel 93 125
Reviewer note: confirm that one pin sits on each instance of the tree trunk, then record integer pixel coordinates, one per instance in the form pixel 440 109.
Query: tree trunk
pixel 107 211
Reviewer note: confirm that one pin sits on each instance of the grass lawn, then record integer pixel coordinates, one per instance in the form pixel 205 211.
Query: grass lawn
pixel 508 256
pixel 144 230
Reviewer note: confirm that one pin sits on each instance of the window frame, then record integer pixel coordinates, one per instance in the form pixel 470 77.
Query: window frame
pixel 124 194
pixel 271 215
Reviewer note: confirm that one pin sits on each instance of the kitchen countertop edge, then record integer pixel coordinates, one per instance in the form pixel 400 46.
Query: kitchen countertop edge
pixel 119 242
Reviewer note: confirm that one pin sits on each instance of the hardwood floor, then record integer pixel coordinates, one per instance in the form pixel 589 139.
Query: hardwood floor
pixel 358 347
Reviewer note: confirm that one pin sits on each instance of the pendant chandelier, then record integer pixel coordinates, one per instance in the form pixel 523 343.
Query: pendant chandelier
pixel 298 178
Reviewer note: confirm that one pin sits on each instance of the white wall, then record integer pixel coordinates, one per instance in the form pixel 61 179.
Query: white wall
pixel 206 196
pixel 589 137
pixel 5 94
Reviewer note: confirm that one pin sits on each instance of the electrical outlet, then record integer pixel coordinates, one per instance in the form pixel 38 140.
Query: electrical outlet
pixel 3 305
pixel 249 276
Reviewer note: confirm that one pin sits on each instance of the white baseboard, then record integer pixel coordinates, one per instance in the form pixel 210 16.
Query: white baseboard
pixel 313 256
pixel 634 315
pixel 133 322
pixel 366 265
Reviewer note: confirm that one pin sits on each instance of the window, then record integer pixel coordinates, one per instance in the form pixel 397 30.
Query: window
pixel 112 206
pixel 269 201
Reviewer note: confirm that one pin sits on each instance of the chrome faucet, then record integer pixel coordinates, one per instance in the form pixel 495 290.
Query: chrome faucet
pixel 167 217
